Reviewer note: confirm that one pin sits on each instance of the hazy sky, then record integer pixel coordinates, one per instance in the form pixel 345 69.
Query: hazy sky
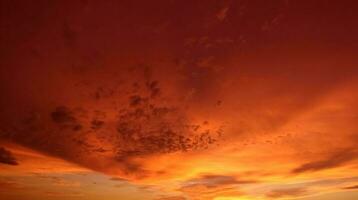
pixel 178 100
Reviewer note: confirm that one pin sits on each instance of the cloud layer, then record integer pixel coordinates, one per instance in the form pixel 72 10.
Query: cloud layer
pixel 179 100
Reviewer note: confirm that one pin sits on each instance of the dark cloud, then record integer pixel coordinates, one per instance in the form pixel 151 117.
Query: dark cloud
pixel 6 157
pixel 135 100
pixel 117 179
pixel 287 192
pixel 64 117
pixel 353 187
pixel 151 128
pixel 147 127
pixel 211 186
pixel 96 124
pixel 143 124
pixel 154 89
pixel 213 181
pixel 334 160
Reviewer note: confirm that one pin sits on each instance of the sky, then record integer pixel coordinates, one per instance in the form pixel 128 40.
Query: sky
pixel 178 100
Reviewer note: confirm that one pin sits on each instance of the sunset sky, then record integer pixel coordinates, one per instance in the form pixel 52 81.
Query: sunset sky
pixel 178 100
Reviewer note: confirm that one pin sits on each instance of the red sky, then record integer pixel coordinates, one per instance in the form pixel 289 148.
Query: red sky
pixel 178 100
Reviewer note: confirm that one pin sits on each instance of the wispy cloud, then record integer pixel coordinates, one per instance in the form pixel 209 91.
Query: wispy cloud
pixel 334 160
pixel 353 187
pixel 287 192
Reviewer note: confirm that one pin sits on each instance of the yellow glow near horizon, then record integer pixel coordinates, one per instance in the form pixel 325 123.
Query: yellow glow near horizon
pixel 233 198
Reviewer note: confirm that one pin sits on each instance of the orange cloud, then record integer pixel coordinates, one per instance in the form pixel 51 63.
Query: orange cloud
pixel 336 159
pixel 290 192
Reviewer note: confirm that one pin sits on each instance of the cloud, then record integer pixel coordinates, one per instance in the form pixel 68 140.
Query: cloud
pixel 136 101
pixel 58 181
pixel 305 187
pixel 172 198
pixel 9 185
pixel 212 181
pixel 353 187
pixel 63 194
pixel 210 186
pixel 6 157
pixel 334 160
pixel 118 179
pixel 287 192
pixel 114 139
pixel 64 117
